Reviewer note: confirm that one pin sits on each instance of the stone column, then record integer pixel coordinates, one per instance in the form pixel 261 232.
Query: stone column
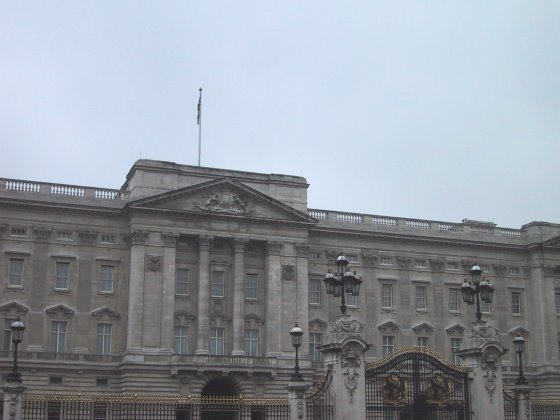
pixel 136 291
pixel 302 291
pixel 482 353
pixel 238 297
pixel 203 294
pixel 344 353
pixel 274 299
pixel 521 393
pixel 13 400
pixel 168 291
pixel 296 400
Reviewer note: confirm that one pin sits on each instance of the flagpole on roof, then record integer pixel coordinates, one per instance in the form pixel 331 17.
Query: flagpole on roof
pixel 199 122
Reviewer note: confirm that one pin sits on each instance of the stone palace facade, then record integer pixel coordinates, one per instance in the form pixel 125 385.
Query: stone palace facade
pixel 189 279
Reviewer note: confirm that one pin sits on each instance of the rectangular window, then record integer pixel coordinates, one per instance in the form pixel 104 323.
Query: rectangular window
pixel 422 341
pixel 252 343
pixel 18 231
pixel 420 263
pixel 421 298
pixel 58 336
pixel 351 300
pixel 217 285
pixel 387 296
pixel 352 258
pixel 516 303
pixel 485 307
pixel 106 278
pixel 557 302
pixel 315 340
pixel 180 339
pixel 452 265
pixel 62 275
pixel 384 260
pixel 453 299
pixel 485 268
pixel 8 334
pixel 108 239
pixel 388 344
pixel 514 271
pixel 216 341
pixel 455 346
pixel 251 286
pixel 314 294
pixel 64 235
pixel 182 281
pixel 104 338
pixel 15 272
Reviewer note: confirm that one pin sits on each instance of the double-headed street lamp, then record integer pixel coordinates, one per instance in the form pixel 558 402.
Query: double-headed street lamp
pixel 296 334
pixel 17 329
pixel 478 287
pixel 342 282
pixel 519 346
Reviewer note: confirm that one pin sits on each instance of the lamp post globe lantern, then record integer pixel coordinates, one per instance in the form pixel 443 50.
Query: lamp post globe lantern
pixel 342 282
pixel 519 347
pixel 17 328
pixel 296 333
pixel 478 289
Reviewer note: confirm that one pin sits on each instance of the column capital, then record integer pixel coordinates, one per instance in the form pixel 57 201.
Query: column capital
pixel 138 237
pixel 169 239
pixel 239 244
pixel 302 250
pixel 274 247
pixel 204 241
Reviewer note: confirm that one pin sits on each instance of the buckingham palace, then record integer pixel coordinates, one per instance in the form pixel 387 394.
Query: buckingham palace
pixel 189 279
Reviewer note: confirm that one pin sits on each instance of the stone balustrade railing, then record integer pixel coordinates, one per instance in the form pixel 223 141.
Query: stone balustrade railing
pixel 67 357
pixel 415 224
pixel 60 189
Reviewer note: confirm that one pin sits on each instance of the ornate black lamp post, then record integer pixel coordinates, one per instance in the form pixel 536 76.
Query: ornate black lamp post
pixel 519 346
pixel 296 334
pixel 17 329
pixel 478 287
pixel 342 282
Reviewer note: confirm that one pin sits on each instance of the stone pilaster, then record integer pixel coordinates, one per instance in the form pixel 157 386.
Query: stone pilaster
pixel 523 402
pixel 482 353
pixel 13 400
pixel 344 354
pixel 273 291
pixel 302 291
pixel 168 291
pixel 238 296
pixel 136 291
pixel 296 400
pixel 203 294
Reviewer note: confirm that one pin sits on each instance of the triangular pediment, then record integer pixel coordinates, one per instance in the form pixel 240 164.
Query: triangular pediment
pixel 105 313
pixel 13 308
pixel 424 328
pixel 254 317
pixel 318 322
pixel 456 329
pixel 519 330
pixel 388 327
pixel 60 310
pixel 220 316
pixel 222 198
pixel 182 314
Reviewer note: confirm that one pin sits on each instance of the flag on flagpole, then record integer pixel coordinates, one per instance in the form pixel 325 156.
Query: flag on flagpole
pixel 199 107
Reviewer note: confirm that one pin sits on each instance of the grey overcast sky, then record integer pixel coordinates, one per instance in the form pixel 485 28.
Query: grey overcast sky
pixel 438 110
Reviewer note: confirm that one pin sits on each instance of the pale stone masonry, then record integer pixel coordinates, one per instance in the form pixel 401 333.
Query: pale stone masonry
pixel 187 274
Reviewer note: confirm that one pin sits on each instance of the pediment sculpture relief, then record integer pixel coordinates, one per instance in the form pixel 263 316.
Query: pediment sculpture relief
pixel 224 202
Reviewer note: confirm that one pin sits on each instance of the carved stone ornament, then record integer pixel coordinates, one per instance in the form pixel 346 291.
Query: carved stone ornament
pixel 351 381
pixel 224 202
pixel 500 269
pixel 13 406
pixel 490 364
pixel 153 262
pixel 239 244
pixel 437 265
pixel 481 330
pixel 344 328
pixel 552 270
pixel 350 357
pixel 439 390
pixel 404 262
pixel 288 272
pixel 41 233
pixel 300 404
pixel 138 237
pixel 369 259
pixel 87 237
pixel 275 247
pixel 302 250
pixel 394 390
pixel 170 238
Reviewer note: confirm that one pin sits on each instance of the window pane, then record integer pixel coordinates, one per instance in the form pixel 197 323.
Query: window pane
pixel 58 336
pixel 104 335
pixel 453 299
pixel 180 339
pixel 422 341
pixel 516 303
pixel 485 307
pixel 387 296
pixel 62 271
pixel 557 302
pixel 15 275
pixel 182 281
pixel 251 342
pixel 388 344
pixel 107 274
pixel 8 334
pixel 421 297
pixel 251 286
pixel 351 300
pixel 216 341
pixel 217 287
pixel 314 294
pixel 315 340
pixel 455 346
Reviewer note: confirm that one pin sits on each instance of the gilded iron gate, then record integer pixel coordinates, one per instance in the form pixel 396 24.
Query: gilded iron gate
pixel 416 383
